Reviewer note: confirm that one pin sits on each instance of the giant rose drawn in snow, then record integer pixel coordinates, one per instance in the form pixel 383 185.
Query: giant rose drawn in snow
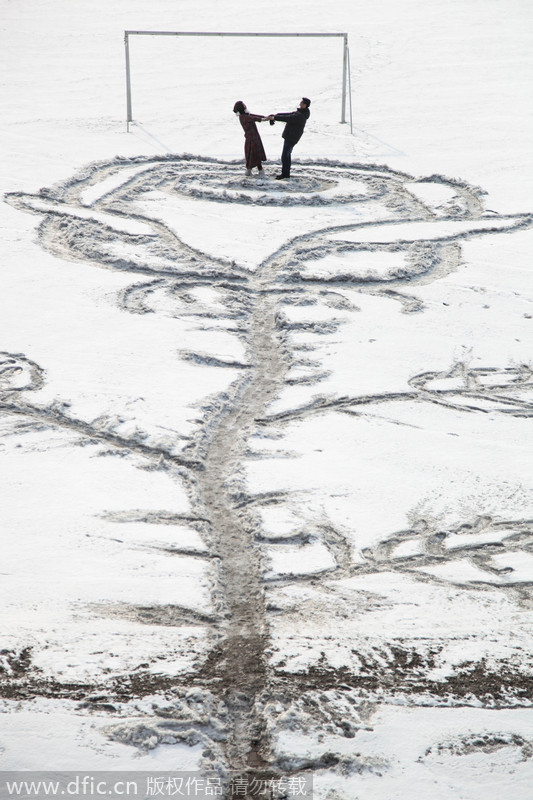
pixel 205 245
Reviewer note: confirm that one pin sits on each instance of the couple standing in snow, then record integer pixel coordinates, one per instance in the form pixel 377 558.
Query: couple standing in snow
pixel 254 152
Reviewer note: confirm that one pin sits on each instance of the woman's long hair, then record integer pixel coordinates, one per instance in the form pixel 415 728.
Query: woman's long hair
pixel 239 107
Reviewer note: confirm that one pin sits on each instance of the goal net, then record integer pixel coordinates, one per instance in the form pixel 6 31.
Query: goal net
pixel 179 74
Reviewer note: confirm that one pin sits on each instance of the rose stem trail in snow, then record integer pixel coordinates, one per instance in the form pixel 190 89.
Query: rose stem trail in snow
pixel 236 668
pixel 242 653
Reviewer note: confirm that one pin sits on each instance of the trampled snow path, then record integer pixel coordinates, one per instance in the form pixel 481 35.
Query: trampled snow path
pixel 386 234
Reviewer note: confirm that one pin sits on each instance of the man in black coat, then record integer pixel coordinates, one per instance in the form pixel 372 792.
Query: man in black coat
pixel 292 133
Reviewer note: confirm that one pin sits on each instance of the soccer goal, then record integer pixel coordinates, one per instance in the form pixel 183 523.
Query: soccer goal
pixel 346 90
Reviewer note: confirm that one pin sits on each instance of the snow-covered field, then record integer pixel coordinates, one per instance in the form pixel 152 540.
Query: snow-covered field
pixel 267 470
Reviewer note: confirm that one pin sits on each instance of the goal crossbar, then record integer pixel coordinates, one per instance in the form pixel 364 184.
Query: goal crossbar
pixel 345 58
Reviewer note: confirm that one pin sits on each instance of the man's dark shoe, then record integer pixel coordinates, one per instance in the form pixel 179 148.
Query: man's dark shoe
pixel 282 177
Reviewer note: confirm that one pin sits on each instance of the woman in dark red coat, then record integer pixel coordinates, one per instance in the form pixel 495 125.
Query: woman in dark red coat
pixel 254 152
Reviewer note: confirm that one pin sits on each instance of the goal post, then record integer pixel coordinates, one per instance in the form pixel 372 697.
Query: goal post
pixel 346 81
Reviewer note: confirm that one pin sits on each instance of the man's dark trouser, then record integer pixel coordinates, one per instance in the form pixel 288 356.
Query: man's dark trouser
pixel 286 159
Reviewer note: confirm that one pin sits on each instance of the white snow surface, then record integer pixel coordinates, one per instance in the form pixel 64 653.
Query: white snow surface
pixel 406 410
